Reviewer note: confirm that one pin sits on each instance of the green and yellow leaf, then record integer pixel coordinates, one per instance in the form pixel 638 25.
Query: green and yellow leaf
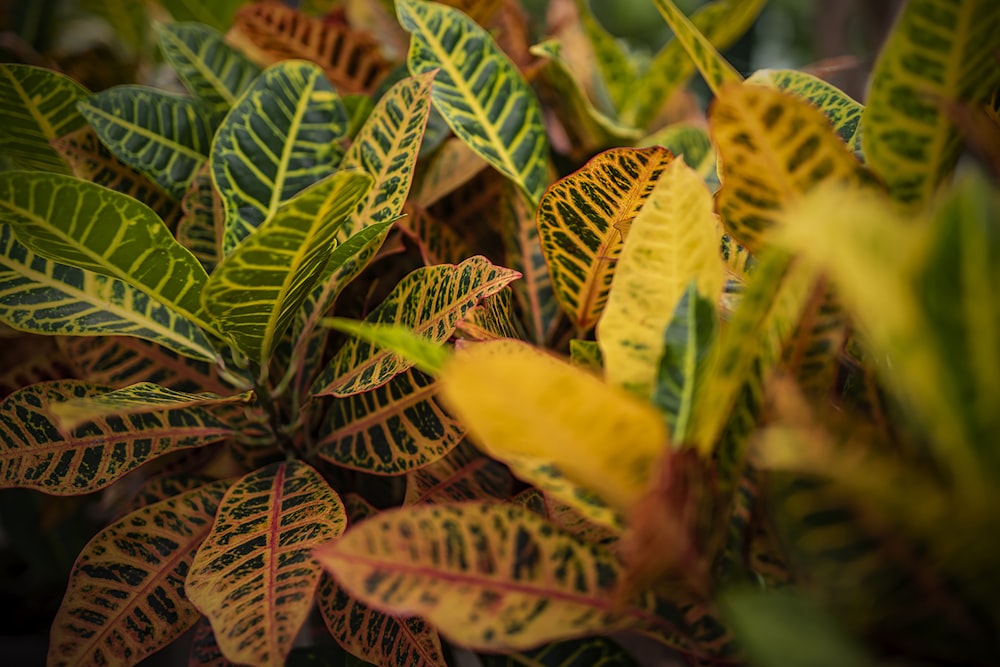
pixel 934 56
pixel 429 301
pixel 426 355
pixel 257 290
pixel 37 105
pixel 464 474
pixel 519 402
pixel 673 242
pixel 479 91
pixel 217 14
pixel 281 137
pixel 616 68
pixel 491 319
pixel 715 69
pixel 450 167
pixel 438 243
pixel 201 227
pixel 38 454
pixel 691 142
pixel 164 136
pixel 583 220
pixel 126 597
pixel 254 576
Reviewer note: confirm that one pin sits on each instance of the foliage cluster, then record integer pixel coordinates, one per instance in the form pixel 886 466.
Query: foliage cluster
pixel 465 340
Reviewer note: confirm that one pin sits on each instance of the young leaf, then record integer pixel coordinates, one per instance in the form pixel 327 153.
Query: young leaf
pixel 488 576
pixel 211 70
pixel 583 220
pixel 773 148
pixel 254 576
pixel 386 149
pixel 392 429
pixel 673 241
pixel 279 138
pixel 481 94
pixel 257 290
pixel 164 136
pixel 429 301
pixel 464 474
pixel 126 597
pixel 715 69
pixel 69 220
pixel 272 31
pixel 519 402
pixel 38 454
pixel 45 297
pixel 37 105
pixel 934 56
pixel 428 356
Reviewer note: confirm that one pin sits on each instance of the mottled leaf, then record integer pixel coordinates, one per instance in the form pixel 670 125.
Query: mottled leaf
pixel 464 474
pixel 715 69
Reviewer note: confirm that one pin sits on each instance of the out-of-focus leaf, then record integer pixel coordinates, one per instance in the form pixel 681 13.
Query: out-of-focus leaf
pixel 464 474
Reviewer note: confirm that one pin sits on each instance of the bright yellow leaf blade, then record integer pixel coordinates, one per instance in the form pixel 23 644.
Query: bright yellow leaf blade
pixel 519 402
pixel 672 242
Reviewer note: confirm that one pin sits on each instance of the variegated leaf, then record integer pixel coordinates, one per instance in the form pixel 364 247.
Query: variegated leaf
pixel 480 93
pixel 272 31
pixel 392 429
pixel 126 597
pixel 90 160
pixel 464 474
pixel 425 354
pixel 69 220
pixel 162 487
pixel 257 290
pixel 280 137
pixel 386 149
pixel 773 148
pixel 715 69
pixel 673 241
pixel 254 575
pixel 935 55
pixel 166 137
pixel 211 70
pixel 438 243
pixel 36 106
pixel 491 319
pixel 583 220
pixel 201 226
pixel 429 301
pixel 450 167
pixel 586 354
pixel 205 651
pixel 26 359
pixel 570 518
pixel 519 402
pixel 691 142
pixel 217 14
pixel 45 297
pixel 617 70
pixel 38 454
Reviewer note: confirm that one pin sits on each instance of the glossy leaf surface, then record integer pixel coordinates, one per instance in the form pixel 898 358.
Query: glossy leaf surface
pixel 715 69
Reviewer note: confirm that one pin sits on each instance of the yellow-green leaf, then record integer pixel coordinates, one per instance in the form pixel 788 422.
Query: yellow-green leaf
pixel 257 290
pixel 201 226
pixel 429 301
pixel 438 243
pixel 36 453
pixel 773 148
pixel 37 105
pixel 426 355
pixel 126 597
pixel 479 91
pixel 673 241
pixel 254 575
pixel 583 220
pixel 691 142
pixel 280 137
pixel 937 54
pixel 616 67
pixel 218 14
pixel 519 402
pixel 715 69
pixel 450 167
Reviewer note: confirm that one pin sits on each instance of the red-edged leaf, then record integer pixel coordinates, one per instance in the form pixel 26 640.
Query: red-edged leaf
pixel 437 242
pixel 205 651
pixel 465 474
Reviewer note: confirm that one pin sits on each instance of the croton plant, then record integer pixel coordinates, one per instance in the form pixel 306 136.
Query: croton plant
pixel 461 331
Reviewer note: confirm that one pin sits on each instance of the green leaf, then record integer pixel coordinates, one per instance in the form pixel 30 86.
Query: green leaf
pixel 281 137
pixel 935 56
pixel 257 290
pixel 100 230
pixel 211 70
pixel 200 229
pixel 254 576
pixel 426 355
pixel 583 220
pixel 589 652
pixel 686 343
pixel 586 354
pixel 429 301
pixel 386 149
pixel 164 136
pixel 691 142
pixel 217 14
pixel 126 597
pixel 616 69
pixel 479 91
pixel 45 297
pixel 674 240
pixel 37 105
pixel 38 454
pixel 491 319
pixel 391 429
pixel 130 21
pixel 715 69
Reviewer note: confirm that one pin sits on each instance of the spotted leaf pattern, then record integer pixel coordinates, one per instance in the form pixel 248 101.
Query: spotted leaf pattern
pixel 479 91
pixel 280 137
pixel 464 474
pixel 429 301
pixel 583 220
pixel 164 136
pixel 37 105
pixel 126 597
pixel 38 454
pixel 254 576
